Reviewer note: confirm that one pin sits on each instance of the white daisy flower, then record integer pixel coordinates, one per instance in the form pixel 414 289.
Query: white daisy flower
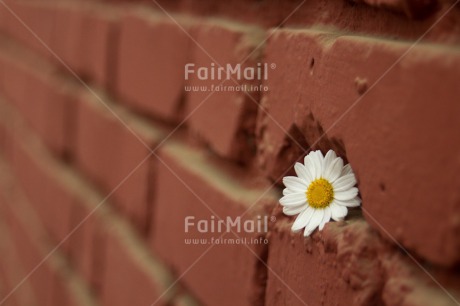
pixel 323 189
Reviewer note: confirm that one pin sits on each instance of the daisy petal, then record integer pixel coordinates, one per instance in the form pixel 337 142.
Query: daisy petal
pixel 326 218
pixel 355 202
pixel 303 173
pixel 344 182
pixel 346 170
pixel 314 222
pixel 294 210
pixel 293 199
pixel 309 164
pixel 295 183
pixel 338 211
pixel 287 191
pixel 333 171
pixel 303 219
pixel 346 194
pixel 328 159
pixel 317 159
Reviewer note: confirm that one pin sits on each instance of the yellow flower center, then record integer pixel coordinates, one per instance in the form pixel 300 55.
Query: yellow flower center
pixel 320 193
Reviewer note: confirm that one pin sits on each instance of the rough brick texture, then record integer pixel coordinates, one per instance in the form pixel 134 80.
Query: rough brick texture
pixel 387 133
pixel 347 264
pixel 114 147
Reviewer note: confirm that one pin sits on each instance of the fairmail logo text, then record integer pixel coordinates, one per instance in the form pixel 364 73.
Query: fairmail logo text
pixel 228 224
pixel 228 72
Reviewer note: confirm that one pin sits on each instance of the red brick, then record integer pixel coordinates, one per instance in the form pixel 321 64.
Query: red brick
pixel 53 100
pixel 52 112
pixel 227 274
pixel 127 281
pixel 346 264
pixel 45 191
pixel 11 268
pixel 277 150
pixel 35 27
pixel 46 267
pixel 30 257
pixel 84 40
pixel 395 138
pixel 224 120
pixel 67 35
pixel 100 31
pixel 108 152
pixel 3 20
pixel 384 18
pixel 69 291
pixel 39 183
pixel 310 272
pixel 12 27
pixel 411 8
pixel 52 280
pixel 61 294
pixel 266 14
pixel 10 275
pixel 42 267
pixel 64 290
pixel 14 82
pixel 152 53
pixel 87 246
pixel 121 257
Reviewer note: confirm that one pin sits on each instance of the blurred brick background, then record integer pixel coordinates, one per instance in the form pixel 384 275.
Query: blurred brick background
pixel 104 152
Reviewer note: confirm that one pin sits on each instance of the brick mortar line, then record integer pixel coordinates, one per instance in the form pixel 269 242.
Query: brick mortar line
pixel 195 162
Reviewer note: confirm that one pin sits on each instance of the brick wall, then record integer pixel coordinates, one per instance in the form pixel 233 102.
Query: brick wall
pixel 105 152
